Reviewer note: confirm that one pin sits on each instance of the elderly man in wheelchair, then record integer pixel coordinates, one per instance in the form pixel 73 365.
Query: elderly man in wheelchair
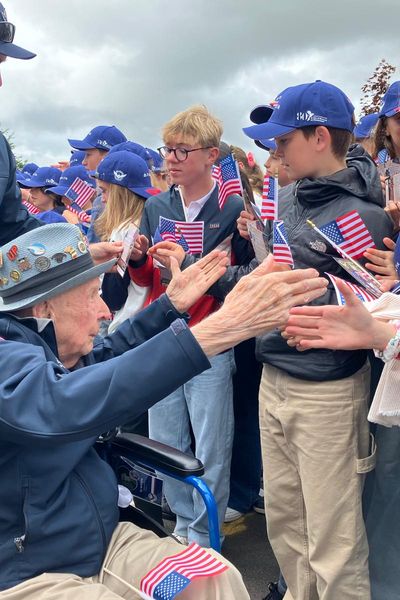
pixel 60 536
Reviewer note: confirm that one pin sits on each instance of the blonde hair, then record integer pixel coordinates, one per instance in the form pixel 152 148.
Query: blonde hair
pixel 382 140
pixel 122 207
pixel 195 122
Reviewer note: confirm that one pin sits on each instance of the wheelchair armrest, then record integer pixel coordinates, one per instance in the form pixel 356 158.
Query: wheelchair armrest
pixel 156 455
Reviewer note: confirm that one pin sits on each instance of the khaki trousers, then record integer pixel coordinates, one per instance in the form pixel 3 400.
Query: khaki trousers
pixel 315 446
pixel 132 552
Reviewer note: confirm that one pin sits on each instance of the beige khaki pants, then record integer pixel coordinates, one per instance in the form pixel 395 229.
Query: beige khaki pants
pixel 132 552
pixel 315 446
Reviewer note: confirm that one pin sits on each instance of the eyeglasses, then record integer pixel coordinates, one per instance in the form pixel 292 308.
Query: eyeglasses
pixel 7 31
pixel 181 154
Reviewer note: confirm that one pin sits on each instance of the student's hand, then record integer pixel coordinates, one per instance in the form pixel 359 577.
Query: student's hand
pixel 70 217
pixel 104 251
pixel 382 261
pixel 62 165
pixel 393 210
pixel 140 248
pixel 348 327
pixel 242 223
pixel 186 287
pixel 163 252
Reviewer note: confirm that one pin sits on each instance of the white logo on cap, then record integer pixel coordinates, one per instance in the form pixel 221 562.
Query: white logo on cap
pixel 51 181
pixel 119 175
pixel 103 143
pixel 310 116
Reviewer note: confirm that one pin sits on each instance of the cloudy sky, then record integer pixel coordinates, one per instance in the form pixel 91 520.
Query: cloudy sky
pixel 135 63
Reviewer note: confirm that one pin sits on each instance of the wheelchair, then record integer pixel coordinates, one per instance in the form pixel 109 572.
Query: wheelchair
pixel 123 451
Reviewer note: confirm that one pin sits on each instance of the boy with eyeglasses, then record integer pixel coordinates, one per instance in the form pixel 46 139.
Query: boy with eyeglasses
pixel 204 404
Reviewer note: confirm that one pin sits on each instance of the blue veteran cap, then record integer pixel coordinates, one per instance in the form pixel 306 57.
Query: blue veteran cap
pixel 68 177
pixel 365 125
pixel 42 177
pixel 391 101
pixel 317 103
pixel 127 170
pixel 135 148
pixel 76 158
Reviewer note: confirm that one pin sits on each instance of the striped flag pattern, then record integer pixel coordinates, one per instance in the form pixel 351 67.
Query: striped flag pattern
pixel 81 214
pixel 362 294
pixel 80 192
pixel 192 232
pixel 269 204
pixel 350 234
pixel 227 176
pixel 32 209
pixel 174 573
pixel 281 249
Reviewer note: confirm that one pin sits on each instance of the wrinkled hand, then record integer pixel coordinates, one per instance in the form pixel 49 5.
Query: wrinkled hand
pixel 382 261
pixel 186 287
pixel 140 248
pixel 163 252
pixel 261 300
pixel 242 223
pixel 104 251
pixel 348 327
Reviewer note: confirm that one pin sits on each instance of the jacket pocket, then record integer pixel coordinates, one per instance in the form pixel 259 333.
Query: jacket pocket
pixel 367 464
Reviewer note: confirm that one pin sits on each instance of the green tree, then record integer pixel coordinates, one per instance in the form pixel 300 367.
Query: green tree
pixel 375 87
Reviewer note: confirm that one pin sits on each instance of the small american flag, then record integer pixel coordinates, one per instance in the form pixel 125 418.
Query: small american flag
pixel 349 233
pixel 32 209
pixel 80 192
pixel 191 232
pixel 269 205
pixel 176 572
pixel 362 294
pixel 227 176
pixel 281 249
pixel 81 214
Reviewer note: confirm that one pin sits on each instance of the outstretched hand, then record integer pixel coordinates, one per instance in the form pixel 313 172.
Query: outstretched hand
pixel 186 287
pixel 381 262
pixel 348 327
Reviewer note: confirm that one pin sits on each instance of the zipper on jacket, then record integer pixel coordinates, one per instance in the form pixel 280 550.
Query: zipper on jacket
pixel 19 542
pixel 96 510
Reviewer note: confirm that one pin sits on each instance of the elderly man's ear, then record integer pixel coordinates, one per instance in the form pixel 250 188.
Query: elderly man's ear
pixel 42 310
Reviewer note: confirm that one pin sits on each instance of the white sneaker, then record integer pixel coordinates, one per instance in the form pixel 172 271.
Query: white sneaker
pixel 181 539
pixel 232 515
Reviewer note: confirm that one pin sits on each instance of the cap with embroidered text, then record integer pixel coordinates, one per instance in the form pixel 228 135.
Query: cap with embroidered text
pixel 317 103
pixel 133 147
pixel 127 170
pixel 26 172
pixel 76 158
pixel 102 137
pixel 68 177
pixel 365 125
pixel 391 101
pixel 42 177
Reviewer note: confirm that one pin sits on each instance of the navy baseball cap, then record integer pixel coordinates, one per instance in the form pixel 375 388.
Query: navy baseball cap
pixel 391 101
pixel 133 147
pixel 261 114
pixel 7 32
pixel 68 177
pixel 128 170
pixel 102 137
pixel 365 126
pixel 42 177
pixel 157 164
pixel 76 158
pixel 26 172
pixel 317 103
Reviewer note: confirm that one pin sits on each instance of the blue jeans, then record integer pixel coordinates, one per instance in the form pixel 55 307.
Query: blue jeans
pixel 202 406
pixel 383 516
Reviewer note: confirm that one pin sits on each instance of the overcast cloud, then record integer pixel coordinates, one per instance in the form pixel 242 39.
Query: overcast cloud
pixel 135 63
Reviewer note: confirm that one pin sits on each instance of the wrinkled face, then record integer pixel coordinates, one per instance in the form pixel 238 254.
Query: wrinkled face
pixel 196 167
pixel 93 158
pixel 393 129
pixel 104 186
pixel 297 154
pixel 41 200
pixel 76 315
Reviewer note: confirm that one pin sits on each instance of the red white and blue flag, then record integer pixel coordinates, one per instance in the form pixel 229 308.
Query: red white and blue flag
pixel 349 233
pixel 80 192
pixel 227 176
pixel 32 209
pixel 191 232
pixel 281 249
pixel 175 573
pixel 361 294
pixel 269 204
pixel 81 214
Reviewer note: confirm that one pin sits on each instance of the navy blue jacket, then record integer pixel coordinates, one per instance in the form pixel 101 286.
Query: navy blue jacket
pixel 14 218
pixel 58 499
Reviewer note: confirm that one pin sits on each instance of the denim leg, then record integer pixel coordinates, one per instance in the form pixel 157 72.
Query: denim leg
pixel 169 423
pixel 246 451
pixel 383 516
pixel 209 400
